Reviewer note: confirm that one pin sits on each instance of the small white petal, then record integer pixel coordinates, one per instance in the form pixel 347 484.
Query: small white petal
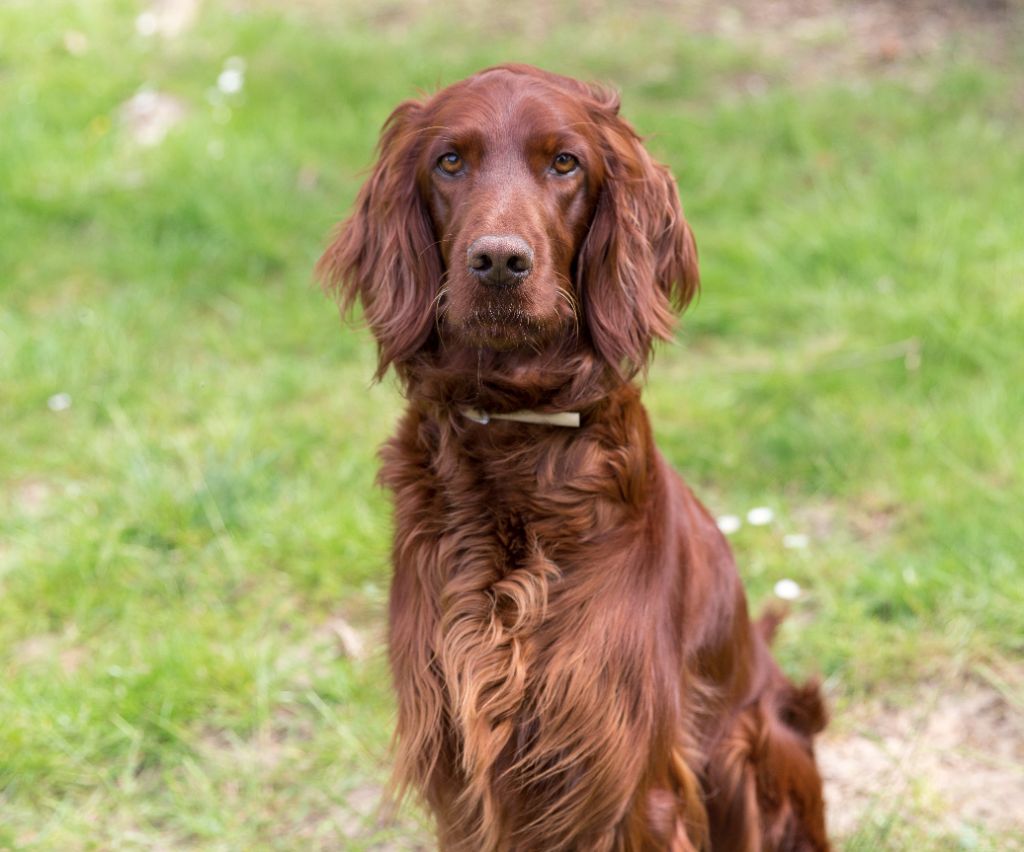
pixel 145 100
pixel 795 541
pixel 147 24
pixel 729 524
pixel 149 116
pixel 230 81
pixel 59 402
pixel 760 516
pixel 76 43
pixel 788 590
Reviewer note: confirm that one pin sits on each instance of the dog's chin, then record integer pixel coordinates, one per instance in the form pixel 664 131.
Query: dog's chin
pixel 500 336
pixel 502 328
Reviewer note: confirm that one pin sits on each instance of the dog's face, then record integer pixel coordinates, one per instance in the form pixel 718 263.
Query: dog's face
pixel 515 211
pixel 510 177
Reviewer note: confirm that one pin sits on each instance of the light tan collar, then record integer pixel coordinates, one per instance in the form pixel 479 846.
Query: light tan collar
pixel 548 418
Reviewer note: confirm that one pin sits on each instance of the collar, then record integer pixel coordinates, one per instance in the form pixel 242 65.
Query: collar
pixel 547 418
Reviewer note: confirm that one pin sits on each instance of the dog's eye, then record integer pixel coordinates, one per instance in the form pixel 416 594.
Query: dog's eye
pixel 450 163
pixel 565 164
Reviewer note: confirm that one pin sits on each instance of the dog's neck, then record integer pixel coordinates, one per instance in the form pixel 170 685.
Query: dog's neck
pixel 547 388
pixel 569 419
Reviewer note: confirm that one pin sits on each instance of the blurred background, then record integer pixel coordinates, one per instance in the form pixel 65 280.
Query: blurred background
pixel 193 553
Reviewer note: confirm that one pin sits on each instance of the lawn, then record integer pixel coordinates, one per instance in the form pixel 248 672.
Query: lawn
pixel 193 553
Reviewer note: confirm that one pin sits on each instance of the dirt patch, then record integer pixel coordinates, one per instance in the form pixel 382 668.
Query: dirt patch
pixel 805 41
pixel 32 496
pixel 870 521
pixel 167 18
pixel 948 757
pixel 45 649
pixel 951 758
pixel 815 39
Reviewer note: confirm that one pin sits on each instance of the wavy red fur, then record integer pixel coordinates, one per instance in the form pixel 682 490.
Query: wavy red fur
pixel 572 655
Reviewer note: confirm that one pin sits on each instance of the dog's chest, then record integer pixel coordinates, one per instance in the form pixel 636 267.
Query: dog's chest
pixel 512 564
pixel 515 528
pixel 525 663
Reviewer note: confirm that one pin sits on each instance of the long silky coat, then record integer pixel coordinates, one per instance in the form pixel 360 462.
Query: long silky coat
pixel 573 659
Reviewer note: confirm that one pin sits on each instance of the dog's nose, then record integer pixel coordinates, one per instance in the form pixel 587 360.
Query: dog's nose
pixel 499 260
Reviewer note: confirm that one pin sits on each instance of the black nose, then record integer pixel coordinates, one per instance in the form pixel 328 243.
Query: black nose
pixel 500 260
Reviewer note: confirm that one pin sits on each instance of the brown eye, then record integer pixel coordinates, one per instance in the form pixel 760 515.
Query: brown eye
pixel 565 164
pixel 450 163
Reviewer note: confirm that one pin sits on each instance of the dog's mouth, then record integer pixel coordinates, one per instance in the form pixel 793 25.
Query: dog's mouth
pixel 501 318
pixel 501 324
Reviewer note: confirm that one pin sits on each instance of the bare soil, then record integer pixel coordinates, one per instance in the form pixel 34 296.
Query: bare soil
pixel 806 41
pixel 816 39
pixel 952 756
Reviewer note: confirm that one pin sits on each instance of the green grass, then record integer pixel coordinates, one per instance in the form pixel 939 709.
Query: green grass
pixel 175 545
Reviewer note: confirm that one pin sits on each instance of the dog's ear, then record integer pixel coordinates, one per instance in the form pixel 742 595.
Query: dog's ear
pixel 638 263
pixel 385 254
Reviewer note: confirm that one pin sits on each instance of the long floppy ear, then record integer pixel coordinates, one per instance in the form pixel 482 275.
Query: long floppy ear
pixel 385 253
pixel 638 263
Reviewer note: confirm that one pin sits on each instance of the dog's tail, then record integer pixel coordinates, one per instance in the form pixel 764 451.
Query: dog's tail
pixel 803 706
pixel 768 624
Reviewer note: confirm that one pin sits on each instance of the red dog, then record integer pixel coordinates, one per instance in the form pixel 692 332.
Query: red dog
pixel 571 649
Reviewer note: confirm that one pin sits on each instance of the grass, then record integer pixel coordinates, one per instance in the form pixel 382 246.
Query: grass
pixel 175 545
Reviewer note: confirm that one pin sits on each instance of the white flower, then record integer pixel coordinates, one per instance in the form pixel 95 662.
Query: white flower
pixel 760 516
pixel 230 81
pixel 59 402
pixel 729 524
pixel 147 24
pixel 149 116
pixel 795 541
pixel 76 43
pixel 788 590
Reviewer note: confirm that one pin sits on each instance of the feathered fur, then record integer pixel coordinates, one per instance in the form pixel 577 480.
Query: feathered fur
pixel 572 655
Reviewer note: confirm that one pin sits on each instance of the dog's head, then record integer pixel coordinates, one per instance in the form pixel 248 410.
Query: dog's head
pixel 513 211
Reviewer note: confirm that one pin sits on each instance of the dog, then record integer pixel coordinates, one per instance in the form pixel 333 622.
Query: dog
pixel 572 655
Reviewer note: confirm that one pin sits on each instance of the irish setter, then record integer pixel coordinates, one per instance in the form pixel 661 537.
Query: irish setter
pixel 572 654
